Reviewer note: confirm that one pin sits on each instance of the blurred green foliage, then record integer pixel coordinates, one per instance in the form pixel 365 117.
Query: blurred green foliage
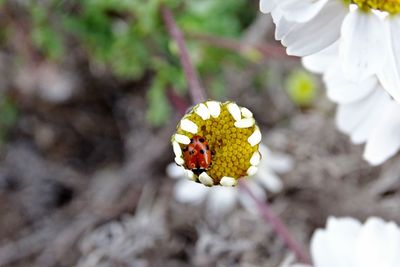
pixel 128 38
pixel 8 117
pixel 301 88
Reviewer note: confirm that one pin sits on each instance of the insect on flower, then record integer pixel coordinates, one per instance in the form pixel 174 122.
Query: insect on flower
pixel 197 155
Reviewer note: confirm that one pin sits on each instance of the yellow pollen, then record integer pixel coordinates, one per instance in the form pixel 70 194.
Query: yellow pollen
pixel 231 151
pixel 390 6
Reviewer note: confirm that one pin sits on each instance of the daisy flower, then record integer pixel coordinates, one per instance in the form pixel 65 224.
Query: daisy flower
pixel 367 33
pixel 217 143
pixel 345 242
pixel 222 199
pixel 365 111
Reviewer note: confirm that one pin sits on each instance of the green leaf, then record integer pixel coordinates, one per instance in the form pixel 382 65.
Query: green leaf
pixel 159 109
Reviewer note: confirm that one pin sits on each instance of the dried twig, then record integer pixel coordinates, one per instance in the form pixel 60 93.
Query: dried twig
pixel 265 50
pixel 277 225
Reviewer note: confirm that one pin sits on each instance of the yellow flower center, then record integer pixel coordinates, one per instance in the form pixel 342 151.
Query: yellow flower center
pixel 390 6
pixel 230 132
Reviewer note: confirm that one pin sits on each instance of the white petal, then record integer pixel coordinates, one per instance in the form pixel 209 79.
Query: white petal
pixel 302 11
pixel 335 245
pixel 179 161
pixel 228 181
pixel 252 170
pixel 366 127
pixel 389 75
pixel 246 113
pixel 267 178
pixel 349 116
pixel 183 139
pixel 177 149
pixel 189 126
pixel 279 162
pixel 205 179
pixel 255 137
pixel 384 141
pixel 202 111
pixel 190 175
pixel 363 35
pixel 255 158
pixel 189 192
pixel 175 171
pixel 247 201
pixel 319 33
pixel 267 6
pixel 283 26
pixel 234 110
pixel 322 60
pixel 214 107
pixel 378 244
pixel 344 91
pixel 245 123
pixel 221 200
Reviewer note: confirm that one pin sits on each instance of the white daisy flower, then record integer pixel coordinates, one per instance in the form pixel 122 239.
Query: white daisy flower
pixel 222 199
pixel 345 242
pixel 367 33
pixel 365 111
pixel 217 143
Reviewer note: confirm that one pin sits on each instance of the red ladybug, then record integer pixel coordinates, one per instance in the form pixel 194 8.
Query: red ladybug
pixel 197 155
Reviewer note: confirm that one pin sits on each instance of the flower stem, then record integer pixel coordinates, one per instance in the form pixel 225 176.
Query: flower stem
pixel 278 226
pixel 196 90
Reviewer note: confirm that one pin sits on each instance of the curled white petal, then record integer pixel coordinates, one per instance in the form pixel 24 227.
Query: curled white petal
pixel 203 111
pixel 214 107
pixel 252 170
pixel 234 110
pixel 245 123
pixel 206 179
pixel 182 139
pixel 190 175
pixel 179 160
pixel 246 112
pixel 189 126
pixel 255 137
pixel 177 149
pixel 255 159
pixel 227 181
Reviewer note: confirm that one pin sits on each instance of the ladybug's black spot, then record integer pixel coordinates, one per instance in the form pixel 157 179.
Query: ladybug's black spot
pixel 201 140
pixel 185 149
pixel 191 140
pixel 191 152
pixel 202 151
